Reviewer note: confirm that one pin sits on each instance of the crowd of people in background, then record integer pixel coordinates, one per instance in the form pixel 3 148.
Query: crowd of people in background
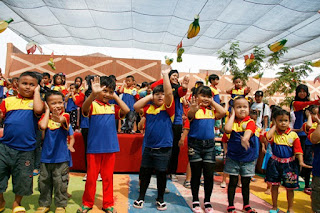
pixel 40 115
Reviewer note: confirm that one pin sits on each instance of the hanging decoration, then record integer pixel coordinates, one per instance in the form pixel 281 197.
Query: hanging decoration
pixel 258 76
pixel 275 47
pixel 180 50
pixel 207 78
pixel 248 60
pixel 168 60
pixel 316 79
pixel 224 69
pixel 51 62
pixel 316 63
pixel 32 46
pixel 4 24
pixel 194 28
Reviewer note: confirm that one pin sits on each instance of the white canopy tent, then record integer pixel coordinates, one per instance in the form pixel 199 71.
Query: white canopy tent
pixel 161 25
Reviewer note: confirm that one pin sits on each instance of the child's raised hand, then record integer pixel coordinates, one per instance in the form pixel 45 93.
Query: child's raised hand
pixel 37 88
pixel 165 72
pixel 245 143
pixel 194 104
pixel 46 106
pixel 71 148
pixel 95 84
pixel 185 82
pixel 55 116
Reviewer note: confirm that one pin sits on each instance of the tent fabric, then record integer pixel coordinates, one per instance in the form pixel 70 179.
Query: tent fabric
pixel 161 25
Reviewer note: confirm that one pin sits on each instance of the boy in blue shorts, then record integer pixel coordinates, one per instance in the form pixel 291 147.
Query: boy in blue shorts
pixel 158 139
pixel 54 168
pixel 19 139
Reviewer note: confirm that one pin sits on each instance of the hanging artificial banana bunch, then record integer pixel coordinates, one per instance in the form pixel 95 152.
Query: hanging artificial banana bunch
pixel 248 60
pixel 180 50
pixel 4 24
pixel 194 28
pixel 275 47
pixel 168 60
pixel 316 63
pixel 258 76
pixel 51 62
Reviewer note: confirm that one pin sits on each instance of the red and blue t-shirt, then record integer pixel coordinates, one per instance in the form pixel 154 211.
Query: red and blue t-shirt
pixel 55 148
pixel 102 136
pixel 20 123
pixel 215 94
pixel 202 125
pixel 73 105
pixel 298 107
pixel 235 150
pixel 159 120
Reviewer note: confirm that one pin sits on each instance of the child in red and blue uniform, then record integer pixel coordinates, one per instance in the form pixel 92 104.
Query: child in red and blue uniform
pixel 55 157
pixel 74 99
pixel 242 152
pixel 58 84
pixel 156 154
pixel 102 141
pixel 237 91
pixel 214 80
pixel 314 137
pixel 282 167
pixel 19 139
pixel 129 96
pixel 202 115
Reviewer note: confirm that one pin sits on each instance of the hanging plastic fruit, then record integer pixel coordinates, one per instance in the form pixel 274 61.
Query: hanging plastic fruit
pixel 275 47
pixel 51 62
pixel 194 28
pixel 4 24
pixel 32 47
pixel 168 60
pixel 248 60
pixel 316 63
pixel 180 50
pixel 207 78
pixel 258 76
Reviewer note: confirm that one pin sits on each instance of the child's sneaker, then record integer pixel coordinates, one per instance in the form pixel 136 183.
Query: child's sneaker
pixel 208 208
pixel 307 191
pixel 187 184
pixel 84 178
pixel 231 209
pixel 60 210
pixel 161 206
pixel 138 204
pixel 174 178
pixel 99 177
pixel 223 184
pixel 196 208
pixel 42 209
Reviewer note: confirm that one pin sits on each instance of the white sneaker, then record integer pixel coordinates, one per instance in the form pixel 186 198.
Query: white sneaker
pixel 84 178
pixel 174 178
pixel 99 177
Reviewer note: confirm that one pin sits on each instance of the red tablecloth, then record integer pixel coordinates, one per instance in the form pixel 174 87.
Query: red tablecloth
pixel 129 157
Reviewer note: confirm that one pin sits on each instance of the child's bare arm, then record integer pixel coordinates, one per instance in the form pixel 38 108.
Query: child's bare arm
pixel 71 144
pixel 229 124
pixel 168 95
pixel 309 121
pixel 43 123
pixel 123 106
pixel 183 137
pixel 270 133
pixel 220 111
pixel 96 88
pixel 138 106
pixel 301 163
pixel 245 139
pixel 38 105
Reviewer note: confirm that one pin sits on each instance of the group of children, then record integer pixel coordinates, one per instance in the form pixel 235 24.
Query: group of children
pixel 38 104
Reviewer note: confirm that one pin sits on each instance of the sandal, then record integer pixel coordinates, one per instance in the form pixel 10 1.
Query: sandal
pixel 60 210
pixel 208 207
pixel 274 211
pixel 248 209
pixel 187 184
pixel 110 209
pixel 138 204
pixel 18 209
pixel 161 206
pixel 42 209
pixel 84 209
pixel 231 209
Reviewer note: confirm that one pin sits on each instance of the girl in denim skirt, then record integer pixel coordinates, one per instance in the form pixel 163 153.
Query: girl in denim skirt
pixel 202 114
pixel 241 153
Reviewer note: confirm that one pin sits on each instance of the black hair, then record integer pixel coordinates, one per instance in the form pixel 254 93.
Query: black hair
pixel 280 112
pixel 130 76
pixel 157 89
pixel 113 77
pixel 55 77
pixel 108 82
pixel 31 74
pixel 204 90
pixel 298 89
pixel 88 79
pixel 46 74
pixel 144 84
pixel 312 107
pixel 213 77
pixel 53 92
pixel 73 84
pixel 79 79
pixel 14 78
pixel 274 108
pixel 234 78
pixel 239 98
